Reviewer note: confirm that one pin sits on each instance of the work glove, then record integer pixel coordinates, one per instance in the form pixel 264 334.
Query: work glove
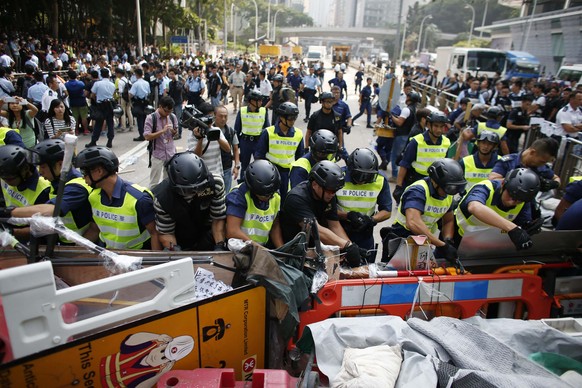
pixel 534 226
pixel 347 129
pixel 369 223
pixel 548 184
pixel 6 212
pixel 353 255
pixel 357 220
pixel 397 194
pixel 449 252
pixel 520 238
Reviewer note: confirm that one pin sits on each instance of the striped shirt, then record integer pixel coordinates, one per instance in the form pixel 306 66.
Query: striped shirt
pixel 212 157
pixel 166 225
pixel 54 125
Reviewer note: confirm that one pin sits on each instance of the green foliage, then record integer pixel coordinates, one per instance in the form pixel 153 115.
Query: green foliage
pixel 171 51
pixel 475 42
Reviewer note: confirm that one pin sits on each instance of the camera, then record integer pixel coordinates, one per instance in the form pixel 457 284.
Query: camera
pixel 193 118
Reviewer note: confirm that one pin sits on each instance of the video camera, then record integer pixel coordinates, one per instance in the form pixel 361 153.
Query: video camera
pixel 193 118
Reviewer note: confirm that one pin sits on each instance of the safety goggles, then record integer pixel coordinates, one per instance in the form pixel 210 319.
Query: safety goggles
pixel 454 189
pixel 291 118
pixel 364 176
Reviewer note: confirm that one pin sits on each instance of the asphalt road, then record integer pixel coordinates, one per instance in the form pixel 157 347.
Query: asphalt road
pixel 133 155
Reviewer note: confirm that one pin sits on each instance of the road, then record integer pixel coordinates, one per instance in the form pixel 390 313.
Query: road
pixel 134 159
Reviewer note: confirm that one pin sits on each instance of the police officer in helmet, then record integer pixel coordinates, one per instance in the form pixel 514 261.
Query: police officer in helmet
pixel 323 146
pixel 366 187
pixel 315 199
pixel 501 205
pixel 479 165
pixel 123 212
pixel 190 206
pixel 249 124
pixel 252 208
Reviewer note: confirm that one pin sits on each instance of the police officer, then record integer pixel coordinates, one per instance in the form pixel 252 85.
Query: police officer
pixel 323 146
pixel 195 86
pixel 249 124
pixel 429 200
pixel 139 94
pixel 276 96
pixel 500 205
pixel 310 84
pixel 75 207
pixel 21 183
pixel 252 208
pixel 10 136
pixel 123 212
pixel 365 103
pixel 494 115
pixel 479 165
pixel 282 143
pixel 103 91
pixel 365 188
pixel 421 152
pixel 325 118
pixel 190 206
pixel 404 123
pixel 315 199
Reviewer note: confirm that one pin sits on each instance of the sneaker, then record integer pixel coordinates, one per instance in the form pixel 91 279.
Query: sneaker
pixel 354 124
pixel 110 144
pixel 139 138
pixel 369 126
pixel 91 144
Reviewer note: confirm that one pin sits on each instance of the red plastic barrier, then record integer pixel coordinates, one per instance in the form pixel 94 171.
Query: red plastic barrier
pixel 224 378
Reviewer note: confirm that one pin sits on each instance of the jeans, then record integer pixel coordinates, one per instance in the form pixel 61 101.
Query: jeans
pixel 227 176
pixel 215 101
pixel 397 148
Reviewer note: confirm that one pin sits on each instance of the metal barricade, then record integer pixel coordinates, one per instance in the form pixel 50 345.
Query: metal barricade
pixel 569 161
pixel 430 95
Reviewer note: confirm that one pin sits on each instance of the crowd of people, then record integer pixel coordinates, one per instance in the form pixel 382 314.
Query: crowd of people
pixel 265 178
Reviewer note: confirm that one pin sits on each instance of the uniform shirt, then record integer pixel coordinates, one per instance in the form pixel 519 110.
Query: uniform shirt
pixel 480 193
pixel 512 161
pixel 265 87
pixel 311 82
pixel 48 96
pixel 518 117
pixel 339 83
pixel 163 84
pixel 36 91
pixel 573 192
pixel 263 143
pixel 321 120
pixel 465 93
pixel 103 90
pixel 478 162
pixel 516 98
pixel 343 110
pixel 567 115
pixel 572 218
pixel 300 203
pixel 366 94
pixel 411 150
pixel 195 84
pixel 75 199
pixel 490 123
pixel 294 81
pixel 76 96
pixel 299 174
pixel 140 89
pixel 236 203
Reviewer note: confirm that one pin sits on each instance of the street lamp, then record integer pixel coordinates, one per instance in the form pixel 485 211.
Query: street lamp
pixel 275 25
pixel 268 20
pixel 232 23
pixel 420 32
pixel 256 24
pixel 205 35
pixel 472 22
pixel 139 37
pixel 402 46
pixel 484 17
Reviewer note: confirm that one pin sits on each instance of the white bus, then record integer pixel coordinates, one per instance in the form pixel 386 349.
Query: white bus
pixel 476 61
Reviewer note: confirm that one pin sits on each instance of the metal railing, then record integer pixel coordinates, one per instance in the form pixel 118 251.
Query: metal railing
pixel 569 161
pixel 430 95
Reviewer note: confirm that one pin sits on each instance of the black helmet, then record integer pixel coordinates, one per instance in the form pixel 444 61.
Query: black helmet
pixel 95 156
pixel 13 159
pixel 363 165
pixel 50 151
pixel 287 109
pixel 494 112
pixel 323 142
pixel 490 136
pixel 149 109
pixel 118 111
pixel 414 97
pixel 328 175
pixel 255 95
pixel 438 117
pixel 278 77
pixel 262 178
pixel 522 184
pixel 325 96
pixel 187 173
pixel 449 175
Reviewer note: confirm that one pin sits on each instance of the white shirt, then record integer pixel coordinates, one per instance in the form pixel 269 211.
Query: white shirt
pixel 47 97
pixel 265 87
pixel 567 115
pixel 6 61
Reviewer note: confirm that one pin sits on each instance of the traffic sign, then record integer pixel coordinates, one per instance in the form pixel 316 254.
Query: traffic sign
pixel 183 39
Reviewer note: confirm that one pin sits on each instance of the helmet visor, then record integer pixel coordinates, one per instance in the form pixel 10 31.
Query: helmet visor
pixel 359 176
pixel 453 189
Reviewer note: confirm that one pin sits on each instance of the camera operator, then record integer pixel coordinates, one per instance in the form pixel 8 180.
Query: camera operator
pixel 208 142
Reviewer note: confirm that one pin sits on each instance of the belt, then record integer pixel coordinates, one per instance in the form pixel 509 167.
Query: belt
pixel 239 87
pixel 250 137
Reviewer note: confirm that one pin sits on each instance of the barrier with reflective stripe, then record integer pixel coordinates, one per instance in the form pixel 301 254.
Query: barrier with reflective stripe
pixel 395 296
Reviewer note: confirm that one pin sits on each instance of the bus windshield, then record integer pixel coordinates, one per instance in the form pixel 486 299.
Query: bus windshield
pixel 526 68
pixel 485 61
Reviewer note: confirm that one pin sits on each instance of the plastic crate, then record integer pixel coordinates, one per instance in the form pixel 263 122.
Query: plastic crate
pixel 225 378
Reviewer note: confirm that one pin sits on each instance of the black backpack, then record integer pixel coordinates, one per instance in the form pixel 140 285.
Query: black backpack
pixel 125 91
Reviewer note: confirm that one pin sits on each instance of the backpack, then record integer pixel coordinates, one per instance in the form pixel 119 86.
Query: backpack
pixel 125 91
pixel 151 143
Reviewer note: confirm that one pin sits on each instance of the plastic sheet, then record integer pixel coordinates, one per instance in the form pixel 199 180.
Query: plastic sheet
pixel 319 280
pixel 7 240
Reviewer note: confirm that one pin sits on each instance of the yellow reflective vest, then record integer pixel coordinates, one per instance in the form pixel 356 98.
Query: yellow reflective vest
pixel 426 153
pixel 360 198
pixel 68 219
pixel 3 132
pixel 474 174
pixel 483 127
pixel 252 122
pixel 28 197
pixel 257 223
pixel 282 149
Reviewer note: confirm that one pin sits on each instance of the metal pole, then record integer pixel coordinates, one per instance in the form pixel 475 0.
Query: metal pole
pixel 472 22
pixel 484 16
pixel 425 35
pixel 225 30
pixel 139 38
pixel 398 31
pixel 269 20
pixel 402 45
pixel 275 25
pixel 526 36
pixel 256 25
pixel 420 33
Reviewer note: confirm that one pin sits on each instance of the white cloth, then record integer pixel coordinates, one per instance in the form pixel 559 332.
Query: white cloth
pixel 376 366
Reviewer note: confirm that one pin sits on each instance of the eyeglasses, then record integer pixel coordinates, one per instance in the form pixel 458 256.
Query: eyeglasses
pixel 292 118
pixel 167 110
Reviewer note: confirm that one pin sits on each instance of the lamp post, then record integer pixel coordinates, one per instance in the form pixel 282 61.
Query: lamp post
pixel 420 33
pixel 268 20
pixel 472 22
pixel 402 45
pixel 425 35
pixel 256 24
pixel 232 23
pixel 205 35
pixel 139 38
pixel 275 25
pixel 225 30
pixel 484 17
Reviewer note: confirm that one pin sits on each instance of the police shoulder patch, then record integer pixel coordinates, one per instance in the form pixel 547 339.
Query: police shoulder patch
pixel 506 158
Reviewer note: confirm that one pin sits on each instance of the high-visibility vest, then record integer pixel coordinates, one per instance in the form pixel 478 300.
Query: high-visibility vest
pixel 472 223
pixel 257 223
pixel 68 219
pixel 252 122
pixel 426 153
pixel 118 226
pixel 483 127
pixel 3 132
pixel 17 198
pixel 282 149
pixel 303 163
pixel 575 178
pixel 474 174
pixel 434 209
pixel 360 198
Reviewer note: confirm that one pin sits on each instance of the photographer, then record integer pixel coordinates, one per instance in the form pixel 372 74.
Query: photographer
pixel 138 94
pixel 208 142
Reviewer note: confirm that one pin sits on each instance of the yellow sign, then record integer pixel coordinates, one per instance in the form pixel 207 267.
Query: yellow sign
pixel 224 332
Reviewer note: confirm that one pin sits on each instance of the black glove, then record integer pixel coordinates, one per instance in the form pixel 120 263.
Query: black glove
pixel 353 255
pixel 548 184
pixel 449 252
pixel 6 212
pixel 520 238
pixel 534 226
pixel 357 220
pixel 369 223
pixel 220 246
pixel 397 194
pixel 347 129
